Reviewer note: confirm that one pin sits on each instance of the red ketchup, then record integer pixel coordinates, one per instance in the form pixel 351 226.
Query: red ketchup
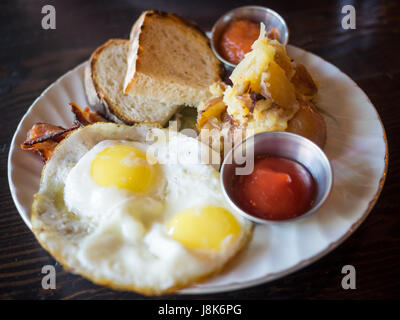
pixel 237 39
pixel 277 189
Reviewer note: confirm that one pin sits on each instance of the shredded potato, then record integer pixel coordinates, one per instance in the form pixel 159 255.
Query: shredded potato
pixel 214 109
pixel 269 92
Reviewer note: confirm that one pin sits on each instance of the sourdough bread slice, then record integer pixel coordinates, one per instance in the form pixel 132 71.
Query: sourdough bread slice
pixel 104 77
pixel 170 60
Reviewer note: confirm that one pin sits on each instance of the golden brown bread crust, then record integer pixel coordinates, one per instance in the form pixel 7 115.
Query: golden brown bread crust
pixel 111 111
pixel 185 21
pixel 139 26
pixel 193 25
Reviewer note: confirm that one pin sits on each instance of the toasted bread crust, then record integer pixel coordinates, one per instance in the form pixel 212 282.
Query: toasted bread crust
pixel 182 20
pixel 96 95
pixel 138 27
pixel 135 55
pixel 110 59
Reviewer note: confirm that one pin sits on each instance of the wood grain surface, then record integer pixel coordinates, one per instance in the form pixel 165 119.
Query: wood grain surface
pixel 32 58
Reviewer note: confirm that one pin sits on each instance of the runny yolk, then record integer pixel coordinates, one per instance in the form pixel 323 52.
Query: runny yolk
pixel 124 167
pixel 206 228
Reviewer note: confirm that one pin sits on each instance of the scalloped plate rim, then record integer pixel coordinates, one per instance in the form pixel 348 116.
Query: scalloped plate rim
pixel 237 285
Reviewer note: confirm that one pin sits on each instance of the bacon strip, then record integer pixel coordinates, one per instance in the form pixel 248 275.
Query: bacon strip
pixel 44 137
pixel 85 117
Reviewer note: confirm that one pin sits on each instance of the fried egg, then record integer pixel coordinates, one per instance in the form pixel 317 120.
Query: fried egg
pixel 125 208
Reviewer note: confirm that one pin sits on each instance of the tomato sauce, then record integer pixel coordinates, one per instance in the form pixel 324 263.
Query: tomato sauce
pixel 277 189
pixel 237 39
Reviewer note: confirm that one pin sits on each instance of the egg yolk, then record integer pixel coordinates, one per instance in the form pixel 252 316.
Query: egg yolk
pixel 124 167
pixel 206 228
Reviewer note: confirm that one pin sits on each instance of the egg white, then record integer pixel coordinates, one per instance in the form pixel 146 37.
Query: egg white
pixel 121 240
pixel 87 199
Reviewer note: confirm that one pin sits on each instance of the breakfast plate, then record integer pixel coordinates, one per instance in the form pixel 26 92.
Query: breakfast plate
pixel 356 147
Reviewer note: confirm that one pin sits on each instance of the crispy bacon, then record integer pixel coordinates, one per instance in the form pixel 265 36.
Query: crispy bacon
pixel 44 137
pixel 85 117
pixel 44 149
pixel 42 132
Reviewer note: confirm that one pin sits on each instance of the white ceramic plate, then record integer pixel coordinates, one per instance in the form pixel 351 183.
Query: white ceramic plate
pixel 356 147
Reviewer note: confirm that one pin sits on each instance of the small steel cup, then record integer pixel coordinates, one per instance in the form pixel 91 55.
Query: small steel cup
pixel 254 13
pixel 279 144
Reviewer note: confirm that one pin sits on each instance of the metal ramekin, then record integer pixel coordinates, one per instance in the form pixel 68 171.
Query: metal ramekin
pixel 279 144
pixel 255 13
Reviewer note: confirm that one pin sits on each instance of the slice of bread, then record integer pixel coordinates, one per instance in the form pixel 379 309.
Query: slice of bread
pixel 170 60
pixel 104 78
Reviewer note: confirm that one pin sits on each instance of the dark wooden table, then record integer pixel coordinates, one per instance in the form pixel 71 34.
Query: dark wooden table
pixel 32 58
